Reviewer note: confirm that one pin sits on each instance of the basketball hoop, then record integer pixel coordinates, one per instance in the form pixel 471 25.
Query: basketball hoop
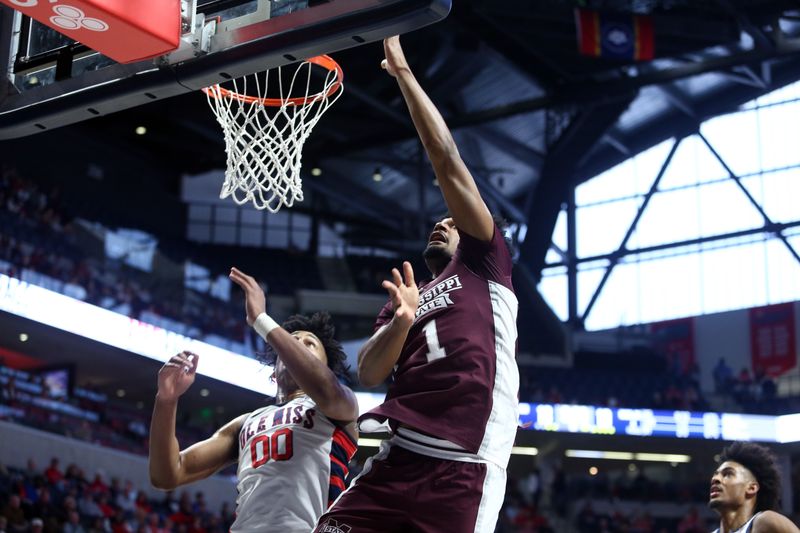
pixel 264 137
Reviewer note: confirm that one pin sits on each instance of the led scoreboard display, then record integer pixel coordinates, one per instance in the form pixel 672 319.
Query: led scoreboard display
pixel 648 422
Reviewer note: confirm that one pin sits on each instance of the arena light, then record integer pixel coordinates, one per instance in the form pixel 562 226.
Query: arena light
pixel 663 457
pixel 524 450
pixel 598 454
pixel 628 456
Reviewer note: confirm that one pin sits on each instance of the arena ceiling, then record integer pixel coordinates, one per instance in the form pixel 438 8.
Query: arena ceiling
pixel 531 116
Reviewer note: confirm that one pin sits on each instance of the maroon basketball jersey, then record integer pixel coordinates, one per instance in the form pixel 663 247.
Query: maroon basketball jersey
pixel 457 378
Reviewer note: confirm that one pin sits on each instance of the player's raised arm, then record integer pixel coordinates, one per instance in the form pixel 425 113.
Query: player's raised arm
pixel 169 466
pixel 380 353
pixel 313 376
pixel 458 186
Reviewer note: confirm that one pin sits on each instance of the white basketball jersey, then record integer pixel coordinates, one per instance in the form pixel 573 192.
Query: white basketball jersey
pixel 292 465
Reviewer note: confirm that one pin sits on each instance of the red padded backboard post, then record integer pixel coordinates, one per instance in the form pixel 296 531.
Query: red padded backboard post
pixel 124 30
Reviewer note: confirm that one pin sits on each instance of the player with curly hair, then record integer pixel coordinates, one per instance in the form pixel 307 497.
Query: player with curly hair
pixel 745 491
pixel 292 456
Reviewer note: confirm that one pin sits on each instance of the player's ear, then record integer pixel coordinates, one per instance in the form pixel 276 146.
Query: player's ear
pixel 752 488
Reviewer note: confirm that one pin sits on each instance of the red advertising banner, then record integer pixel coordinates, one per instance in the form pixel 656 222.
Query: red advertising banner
pixel 123 30
pixel 772 339
pixel 675 340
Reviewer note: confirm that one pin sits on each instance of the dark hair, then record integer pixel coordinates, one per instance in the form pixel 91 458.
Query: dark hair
pixel 761 462
pixel 321 325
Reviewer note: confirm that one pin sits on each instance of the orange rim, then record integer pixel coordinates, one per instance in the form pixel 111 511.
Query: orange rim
pixel 325 61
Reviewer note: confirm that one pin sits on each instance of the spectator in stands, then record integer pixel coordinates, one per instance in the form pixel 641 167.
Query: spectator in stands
pixel 53 474
pixel 691 523
pixel 723 376
pixel 14 514
pixel 37 525
pixel 73 524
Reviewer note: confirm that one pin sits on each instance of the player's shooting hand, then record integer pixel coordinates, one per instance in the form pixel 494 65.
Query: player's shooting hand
pixel 255 301
pixel 404 294
pixel 395 59
pixel 177 375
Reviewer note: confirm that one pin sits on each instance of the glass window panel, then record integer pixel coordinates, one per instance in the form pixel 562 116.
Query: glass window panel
pixel 199 213
pixel 301 240
pixel 252 217
pixel 648 164
pixel 612 184
pixel 670 288
pixel 588 280
pixel 618 303
pixel 670 216
pixel 692 163
pixel 251 236
pixel 560 231
pixel 602 226
pixel 277 237
pixel 301 221
pixel 278 220
pixel 199 232
pixel 783 278
pixel 224 234
pixel 735 137
pixel 724 208
pixel 553 289
pixel 552 257
pixel 225 214
pixel 780 131
pixel 733 277
pixel 782 194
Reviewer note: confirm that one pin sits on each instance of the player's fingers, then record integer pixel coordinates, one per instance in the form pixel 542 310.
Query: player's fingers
pixel 398 280
pixel 408 271
pixel 195 359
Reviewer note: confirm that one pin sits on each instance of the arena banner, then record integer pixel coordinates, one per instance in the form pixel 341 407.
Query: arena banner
pixel 615 35
pixel 772 339
pixel 674 339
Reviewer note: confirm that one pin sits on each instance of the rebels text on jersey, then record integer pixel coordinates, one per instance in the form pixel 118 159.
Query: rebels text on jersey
pixel 292 465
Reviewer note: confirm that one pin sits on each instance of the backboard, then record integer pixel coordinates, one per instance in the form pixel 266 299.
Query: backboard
pixel 51 81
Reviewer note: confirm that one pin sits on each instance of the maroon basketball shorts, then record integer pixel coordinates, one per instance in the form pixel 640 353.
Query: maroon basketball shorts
pixel 403 491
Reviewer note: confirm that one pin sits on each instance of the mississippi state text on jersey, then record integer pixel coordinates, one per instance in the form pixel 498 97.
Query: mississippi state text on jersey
pixel 457 377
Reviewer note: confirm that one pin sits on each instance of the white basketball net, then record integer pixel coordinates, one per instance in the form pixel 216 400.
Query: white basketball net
pixel 263 142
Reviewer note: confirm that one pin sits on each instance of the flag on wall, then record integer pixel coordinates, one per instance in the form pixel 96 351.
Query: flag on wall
pixel 772 338
pixel 615 35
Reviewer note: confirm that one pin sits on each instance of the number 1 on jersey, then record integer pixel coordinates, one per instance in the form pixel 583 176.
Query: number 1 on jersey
pixel 434 350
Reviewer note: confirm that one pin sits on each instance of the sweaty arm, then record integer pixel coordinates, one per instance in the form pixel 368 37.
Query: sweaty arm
pixel 169 467
pixel 336 401
pixel 380 353
pixel 460 192
pixel 772 522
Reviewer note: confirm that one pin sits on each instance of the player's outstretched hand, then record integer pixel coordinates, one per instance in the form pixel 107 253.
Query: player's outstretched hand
pixel 395 59
pixel 404 293
pixel 255 301
pixel 177 375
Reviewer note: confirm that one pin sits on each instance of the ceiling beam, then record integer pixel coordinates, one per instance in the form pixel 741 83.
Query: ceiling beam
pixel 588 91
pixel 558 176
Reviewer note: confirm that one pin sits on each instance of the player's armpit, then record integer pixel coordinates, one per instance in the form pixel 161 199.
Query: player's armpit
pixel 772 522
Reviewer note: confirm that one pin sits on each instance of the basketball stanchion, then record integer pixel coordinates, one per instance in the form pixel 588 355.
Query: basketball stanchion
pixel 264 136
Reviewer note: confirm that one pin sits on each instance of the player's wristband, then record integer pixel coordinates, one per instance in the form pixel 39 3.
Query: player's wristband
pixel 263 324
